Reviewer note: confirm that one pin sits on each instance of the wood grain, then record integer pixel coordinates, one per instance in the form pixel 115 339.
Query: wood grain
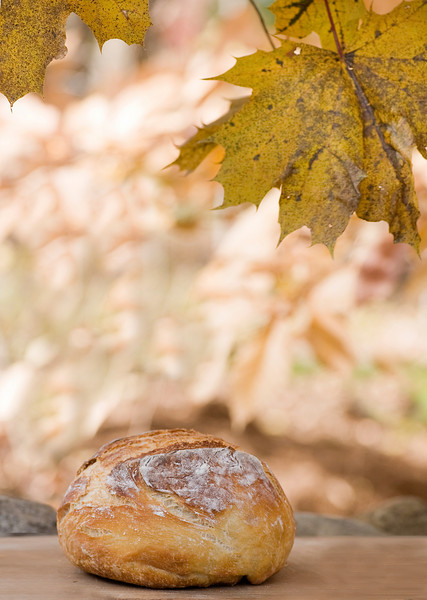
pixel 342 568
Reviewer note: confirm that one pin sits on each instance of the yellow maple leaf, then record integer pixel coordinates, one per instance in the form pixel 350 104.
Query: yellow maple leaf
pixel 332 127
pixel 127 20
pixel 32 34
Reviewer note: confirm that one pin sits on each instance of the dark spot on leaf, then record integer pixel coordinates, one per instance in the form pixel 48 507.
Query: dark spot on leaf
pixel 264 70
pixel 232 124
pixel 349 59
pixel 301 6
pixel 279 62
pixel 298 198
pixel 270 106
pixel 313 158
pixel 256 157
pixel 377 33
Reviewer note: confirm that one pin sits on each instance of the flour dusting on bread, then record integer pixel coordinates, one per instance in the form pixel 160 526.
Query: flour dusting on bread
pixel 205 478
pixel 121 480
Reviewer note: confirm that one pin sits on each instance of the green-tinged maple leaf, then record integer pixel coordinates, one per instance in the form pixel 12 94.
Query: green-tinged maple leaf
pixel 32 34
pixel 333 127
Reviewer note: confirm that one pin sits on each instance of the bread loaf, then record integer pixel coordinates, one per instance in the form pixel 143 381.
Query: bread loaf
pixel 176 508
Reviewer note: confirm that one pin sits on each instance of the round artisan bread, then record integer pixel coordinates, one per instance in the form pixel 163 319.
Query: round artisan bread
pixel 176 508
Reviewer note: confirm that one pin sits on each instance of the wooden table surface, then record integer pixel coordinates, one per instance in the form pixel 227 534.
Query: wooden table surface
pixel 341 568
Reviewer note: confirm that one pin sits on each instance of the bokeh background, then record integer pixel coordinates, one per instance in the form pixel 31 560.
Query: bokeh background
pixel 126 303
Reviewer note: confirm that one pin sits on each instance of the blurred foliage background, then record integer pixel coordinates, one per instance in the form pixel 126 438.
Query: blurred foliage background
pixel 126 303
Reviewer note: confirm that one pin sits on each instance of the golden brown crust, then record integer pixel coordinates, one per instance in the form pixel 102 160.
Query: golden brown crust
pixel 151 441
pixel 176 508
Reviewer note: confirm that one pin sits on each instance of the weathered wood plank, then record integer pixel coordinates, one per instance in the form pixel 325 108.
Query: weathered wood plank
pixel 345 568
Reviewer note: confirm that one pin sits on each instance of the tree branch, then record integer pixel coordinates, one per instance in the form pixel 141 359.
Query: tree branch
pixel 264 26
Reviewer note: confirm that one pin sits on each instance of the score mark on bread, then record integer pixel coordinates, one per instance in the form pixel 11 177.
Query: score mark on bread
pixel 176 508
pixel 204 478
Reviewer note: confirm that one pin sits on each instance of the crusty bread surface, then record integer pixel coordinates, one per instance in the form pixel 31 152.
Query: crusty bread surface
pixel 176 508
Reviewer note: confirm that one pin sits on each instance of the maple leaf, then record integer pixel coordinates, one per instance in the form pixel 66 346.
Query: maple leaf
pixel 332 127
pixel 32 34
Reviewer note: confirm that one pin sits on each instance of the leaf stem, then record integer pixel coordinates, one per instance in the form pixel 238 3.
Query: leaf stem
pixel 334 32
pixel 264 26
